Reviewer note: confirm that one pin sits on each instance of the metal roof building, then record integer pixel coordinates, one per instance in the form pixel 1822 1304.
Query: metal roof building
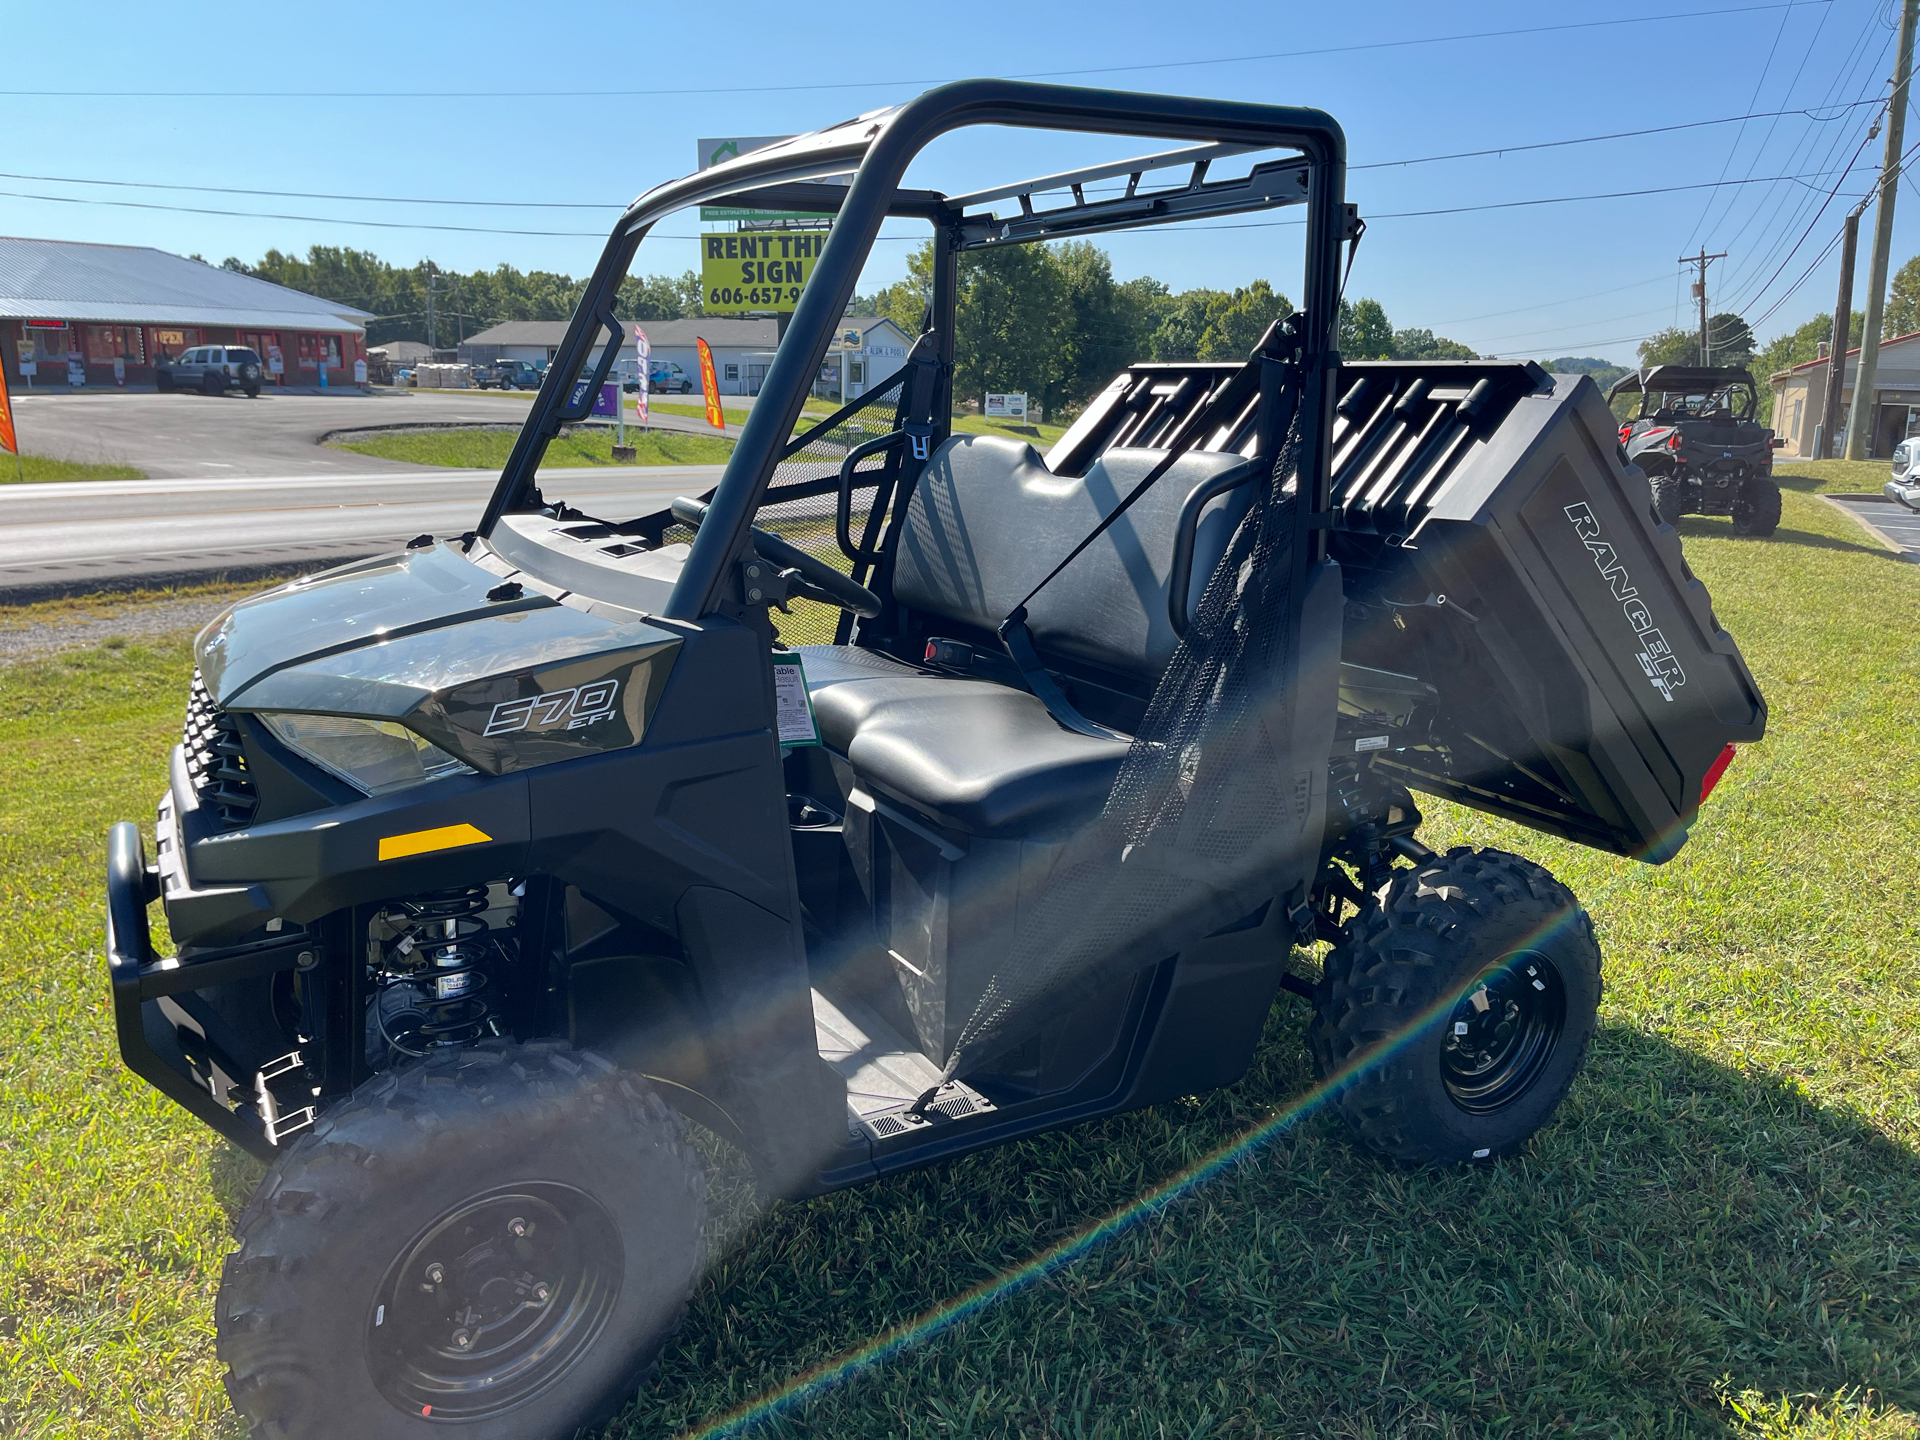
pixel 117 308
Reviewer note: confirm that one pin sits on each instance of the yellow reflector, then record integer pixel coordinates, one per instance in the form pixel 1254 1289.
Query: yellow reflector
pixel 420 842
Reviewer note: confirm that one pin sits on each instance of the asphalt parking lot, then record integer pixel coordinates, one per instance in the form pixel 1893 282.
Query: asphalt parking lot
pixel 237 484
pixel 191 436
pixel 1885 520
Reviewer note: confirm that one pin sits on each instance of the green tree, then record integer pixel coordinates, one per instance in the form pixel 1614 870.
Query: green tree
pixel 1425 345
pixel 1365 332
pixel 1236 322
pixel 1732 340
pixel 1672 346
pixel 1182 320
pixel 1013 318
pixel 1902 315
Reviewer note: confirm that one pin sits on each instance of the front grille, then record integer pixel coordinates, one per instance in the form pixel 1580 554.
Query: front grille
pixel 216 760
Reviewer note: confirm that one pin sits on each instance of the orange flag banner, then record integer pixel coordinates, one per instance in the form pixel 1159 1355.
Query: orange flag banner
pixel 709 386
pixel 7 440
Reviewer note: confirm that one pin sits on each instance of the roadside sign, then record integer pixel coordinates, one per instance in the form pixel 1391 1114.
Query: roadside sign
pixel 359 372
pixel 76 371
pixel 714 152
pixel 8 440
pixel 1010 406
pixel 276 363
pixel 119 370
pixel 28 366
pixel 710 387
pixel 644 348
pixel 762 271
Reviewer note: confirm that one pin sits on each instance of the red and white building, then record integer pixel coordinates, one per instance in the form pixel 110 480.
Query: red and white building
pixel 106 313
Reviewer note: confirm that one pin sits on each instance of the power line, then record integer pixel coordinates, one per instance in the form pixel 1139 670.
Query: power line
pixel 493 94
pixel 615 205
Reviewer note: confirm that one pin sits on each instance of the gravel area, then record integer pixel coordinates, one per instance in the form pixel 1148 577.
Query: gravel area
pixel 26 639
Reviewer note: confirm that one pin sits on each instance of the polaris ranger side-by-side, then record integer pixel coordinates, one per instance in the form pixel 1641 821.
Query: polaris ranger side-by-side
pixel 1701 448
pixel 907 793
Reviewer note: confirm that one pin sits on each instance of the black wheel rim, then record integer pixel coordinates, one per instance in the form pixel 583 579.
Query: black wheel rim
pixel 1502 1032
pixel 494 1302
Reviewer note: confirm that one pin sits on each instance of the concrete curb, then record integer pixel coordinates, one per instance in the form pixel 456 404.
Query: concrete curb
pixel 1900 551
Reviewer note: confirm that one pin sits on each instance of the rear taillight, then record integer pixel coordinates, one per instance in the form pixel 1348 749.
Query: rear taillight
pixel 1625 431
pixel 1673 441
pixel 1715 771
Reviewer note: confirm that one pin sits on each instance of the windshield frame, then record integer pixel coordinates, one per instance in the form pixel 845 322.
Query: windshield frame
pixel 879 147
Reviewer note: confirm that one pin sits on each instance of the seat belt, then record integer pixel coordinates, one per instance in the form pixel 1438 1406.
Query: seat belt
pixel 1018 640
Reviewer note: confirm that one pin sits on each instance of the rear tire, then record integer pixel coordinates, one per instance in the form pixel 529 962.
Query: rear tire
pixel 493 1243
pixel 1669 499
pixel 1756 509
pixel 1457 1013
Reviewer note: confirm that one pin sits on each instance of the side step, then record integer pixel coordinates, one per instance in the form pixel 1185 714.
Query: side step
pixel 884 1073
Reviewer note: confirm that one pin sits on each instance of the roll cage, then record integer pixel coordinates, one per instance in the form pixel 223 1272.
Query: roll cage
pixel 879 147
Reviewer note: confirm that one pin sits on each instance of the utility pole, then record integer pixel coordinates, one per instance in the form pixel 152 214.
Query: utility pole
pixel 1860 422
pixel 1828 429
pixel 431 278
pixel 1700 293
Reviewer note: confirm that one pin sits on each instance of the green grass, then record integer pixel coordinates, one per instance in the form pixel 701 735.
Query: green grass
pixel 488 449
pixel 1718 1235
pixel 32 468
pixel 1040 436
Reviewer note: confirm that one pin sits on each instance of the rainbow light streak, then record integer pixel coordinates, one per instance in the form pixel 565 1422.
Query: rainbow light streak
pixel 945 1316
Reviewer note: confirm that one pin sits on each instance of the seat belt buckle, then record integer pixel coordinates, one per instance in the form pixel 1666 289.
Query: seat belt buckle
pixel 920 437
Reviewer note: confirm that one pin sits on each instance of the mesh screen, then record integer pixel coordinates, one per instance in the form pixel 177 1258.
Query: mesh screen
pixel 807 519
pixel 1203 812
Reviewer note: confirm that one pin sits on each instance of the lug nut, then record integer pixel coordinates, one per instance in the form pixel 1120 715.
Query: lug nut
pixel 516 1227
pixel 436 1273
pixel 462 1340
pixel 542 1293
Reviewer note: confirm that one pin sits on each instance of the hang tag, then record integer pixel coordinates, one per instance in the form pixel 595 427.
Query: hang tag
pixel 792 706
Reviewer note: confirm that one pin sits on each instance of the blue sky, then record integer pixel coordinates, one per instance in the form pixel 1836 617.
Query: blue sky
pixel 428 102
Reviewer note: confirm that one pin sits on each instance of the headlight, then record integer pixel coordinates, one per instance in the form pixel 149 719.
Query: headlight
pixel 373 755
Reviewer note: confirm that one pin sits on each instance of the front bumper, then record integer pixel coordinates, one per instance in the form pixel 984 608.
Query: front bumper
pixel 1905 491
pixel 162 1038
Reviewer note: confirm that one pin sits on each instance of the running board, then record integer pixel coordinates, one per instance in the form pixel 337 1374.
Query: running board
pixel 885 1074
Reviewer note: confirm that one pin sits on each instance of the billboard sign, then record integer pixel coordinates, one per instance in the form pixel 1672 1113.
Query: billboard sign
pixel 716 151
pixel 1010 406
pixel 763 271
pixel 644 348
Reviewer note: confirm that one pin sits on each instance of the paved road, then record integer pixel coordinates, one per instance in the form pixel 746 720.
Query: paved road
pixel 104 532
pixel 1888 521
pixel 193 436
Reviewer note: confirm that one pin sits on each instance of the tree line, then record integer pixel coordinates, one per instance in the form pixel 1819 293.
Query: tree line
pixel 1732 342
pixel 1048 319
pixel 1052 321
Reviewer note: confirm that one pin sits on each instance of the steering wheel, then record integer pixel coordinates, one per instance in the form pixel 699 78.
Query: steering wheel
pixel 817 580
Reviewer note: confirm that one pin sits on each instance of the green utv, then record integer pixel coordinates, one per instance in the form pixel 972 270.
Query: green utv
pixel 492 862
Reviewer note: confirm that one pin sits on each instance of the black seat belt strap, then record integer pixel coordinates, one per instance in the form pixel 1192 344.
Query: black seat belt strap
pixel 1013 630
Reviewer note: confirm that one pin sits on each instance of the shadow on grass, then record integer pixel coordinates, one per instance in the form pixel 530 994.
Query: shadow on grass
pixel 1682 1231
pixel 1698 526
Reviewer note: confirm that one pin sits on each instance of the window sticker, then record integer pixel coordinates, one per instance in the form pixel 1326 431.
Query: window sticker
pixel 792 706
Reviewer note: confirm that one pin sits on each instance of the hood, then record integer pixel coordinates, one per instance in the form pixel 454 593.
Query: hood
pixel 503 684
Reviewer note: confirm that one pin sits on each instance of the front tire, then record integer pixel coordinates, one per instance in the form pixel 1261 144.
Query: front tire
pixel 1756 509
pixel 493 1243
pixel 1457 1013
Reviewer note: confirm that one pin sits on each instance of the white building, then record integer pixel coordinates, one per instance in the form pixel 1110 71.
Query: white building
pixel 742 349
pixel 1800 393
pixel 866 350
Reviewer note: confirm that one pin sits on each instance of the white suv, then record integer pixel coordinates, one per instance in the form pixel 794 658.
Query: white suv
pixel 214 369
pixel 1904 487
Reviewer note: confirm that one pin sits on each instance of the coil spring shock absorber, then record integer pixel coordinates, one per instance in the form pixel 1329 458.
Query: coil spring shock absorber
pixel 430 977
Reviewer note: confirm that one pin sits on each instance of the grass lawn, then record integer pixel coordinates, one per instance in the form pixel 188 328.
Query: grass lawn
pixel 33 468
pixel 1039 436
pixel 1720 1233
pixel 488 449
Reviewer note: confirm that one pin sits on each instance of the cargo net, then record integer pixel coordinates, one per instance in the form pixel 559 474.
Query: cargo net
pixel 1204 811
pixel 802 500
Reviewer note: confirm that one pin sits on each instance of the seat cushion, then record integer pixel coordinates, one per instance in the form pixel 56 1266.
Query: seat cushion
pixel 972 755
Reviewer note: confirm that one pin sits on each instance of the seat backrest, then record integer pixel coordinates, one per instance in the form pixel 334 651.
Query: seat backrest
pixel 988 520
